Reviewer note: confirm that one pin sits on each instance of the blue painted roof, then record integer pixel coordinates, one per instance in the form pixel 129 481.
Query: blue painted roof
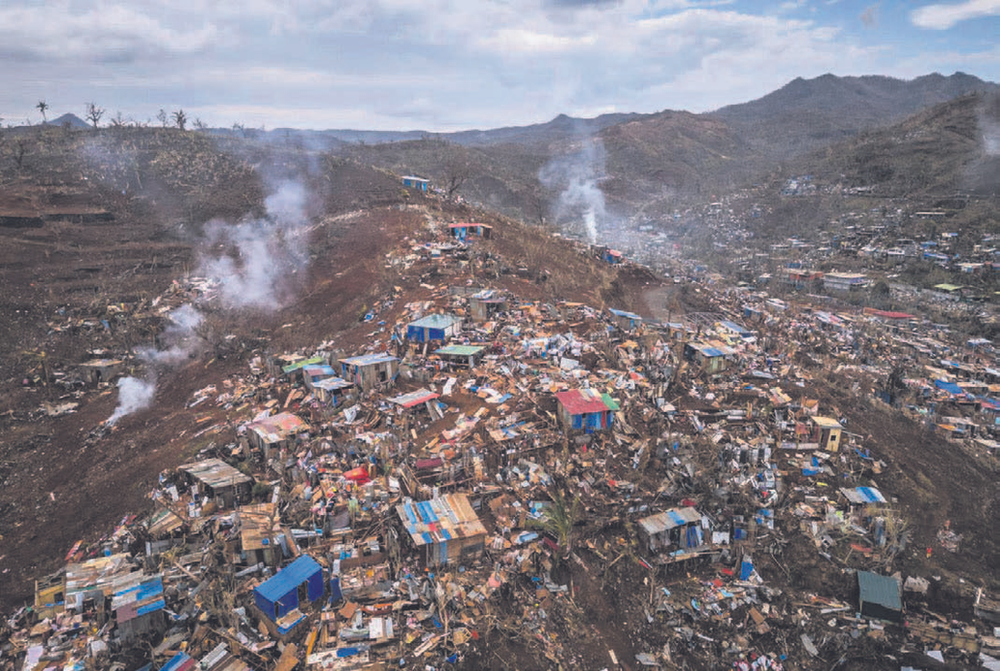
pixel 623 313
pixel 733 326
pixel 288 578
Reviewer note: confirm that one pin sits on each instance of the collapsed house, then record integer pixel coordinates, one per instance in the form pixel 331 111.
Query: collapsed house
pixel 680 528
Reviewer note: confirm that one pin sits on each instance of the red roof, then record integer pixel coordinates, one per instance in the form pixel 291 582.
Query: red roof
pixel 581 401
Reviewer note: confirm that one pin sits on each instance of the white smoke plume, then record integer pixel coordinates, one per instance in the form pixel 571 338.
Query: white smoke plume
pixel 577 177
pixel 133 395
pixel 179 341
pixel 256 261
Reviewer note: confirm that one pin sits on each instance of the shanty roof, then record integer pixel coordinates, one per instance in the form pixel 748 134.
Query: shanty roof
pixel 585 401
pixel 318 369
pixel 413 398
pixel 102 574
pixel 139 599
pixel 332 384
pixel 416 178
pixel 669 519
pixel 278 427
pixel 467 225
pixel 215 473
pixel 461 350
pixel 368 359
pixel 440 520
pixel 180 662
pixel 288 578
pixel 436 321
pixel 292 367
pixel 733 326
pixel 879 589
pixel 623 313
pixel 862 495
pixel 826 422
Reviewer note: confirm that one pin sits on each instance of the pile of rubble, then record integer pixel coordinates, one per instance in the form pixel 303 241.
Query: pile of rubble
pixel 445 483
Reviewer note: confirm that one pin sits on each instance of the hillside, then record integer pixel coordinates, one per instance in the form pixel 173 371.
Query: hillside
pixel 805 114
pixel 675 472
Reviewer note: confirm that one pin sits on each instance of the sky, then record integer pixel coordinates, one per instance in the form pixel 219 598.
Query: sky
pixel 447 65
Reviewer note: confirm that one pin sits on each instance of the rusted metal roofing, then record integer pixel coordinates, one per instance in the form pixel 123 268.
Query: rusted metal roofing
pixel 278 427
pixel 216 473
pixel 440 520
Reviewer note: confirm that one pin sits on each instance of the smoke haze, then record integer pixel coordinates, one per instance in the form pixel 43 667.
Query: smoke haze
pixel 576 176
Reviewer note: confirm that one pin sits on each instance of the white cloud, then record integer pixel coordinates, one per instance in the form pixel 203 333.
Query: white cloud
pixel 944 16
pixel 112 33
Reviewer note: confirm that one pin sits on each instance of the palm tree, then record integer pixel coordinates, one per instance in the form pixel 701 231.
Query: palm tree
pixel 43 107
pixel 559 519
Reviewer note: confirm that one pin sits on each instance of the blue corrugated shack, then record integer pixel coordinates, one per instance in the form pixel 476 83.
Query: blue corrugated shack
pixel 298 584
pixel 417 182
pixel 433 327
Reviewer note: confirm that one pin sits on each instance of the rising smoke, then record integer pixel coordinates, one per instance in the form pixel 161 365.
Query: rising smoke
pixel 255 262
pixel 178 342
pixel 577 178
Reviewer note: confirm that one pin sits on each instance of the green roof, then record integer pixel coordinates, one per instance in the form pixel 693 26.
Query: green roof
pixel 461 350
pixel 610 402
pixel 879 589
pixel 291 368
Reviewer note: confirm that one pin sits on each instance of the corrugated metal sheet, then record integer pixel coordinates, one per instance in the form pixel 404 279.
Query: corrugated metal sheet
pixel 288 578
pixel 435 321
pixel 461 350
pixel 278 427
pixel 215 473
pixel 581 401
pixel 669 519
pixel 440 520
pixel 879 589
pixel 414 398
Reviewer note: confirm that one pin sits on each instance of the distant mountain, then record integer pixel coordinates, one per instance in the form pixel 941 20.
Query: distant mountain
pixel 952 147
pixel 559 129
pixel 72 120
pixel 807 113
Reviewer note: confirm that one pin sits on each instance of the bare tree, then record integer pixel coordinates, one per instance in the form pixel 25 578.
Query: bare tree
pixel 162 117
pixel 43 107
pixel 457 172
pixel 118 121
pixel 20 149
pixel 94 113
pixel 200 125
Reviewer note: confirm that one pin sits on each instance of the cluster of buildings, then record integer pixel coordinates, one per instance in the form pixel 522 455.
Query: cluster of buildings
pixel 393 504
